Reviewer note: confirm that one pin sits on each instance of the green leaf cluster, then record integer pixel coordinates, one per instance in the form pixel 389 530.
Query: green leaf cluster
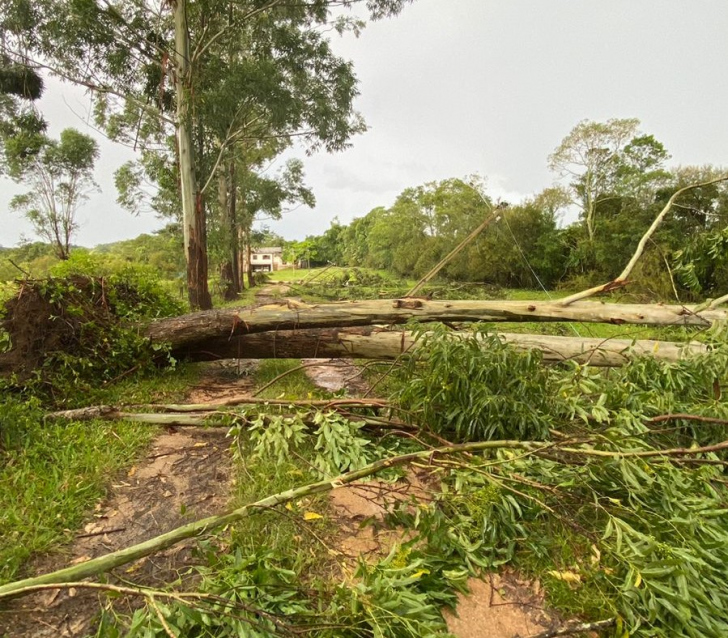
pixel 475 387
pixel 337 442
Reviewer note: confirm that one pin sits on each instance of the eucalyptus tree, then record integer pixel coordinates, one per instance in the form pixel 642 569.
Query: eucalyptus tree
pixel 253 193
pixel 60 174
pixel 604 160
pixel 163 75
pixel 22 127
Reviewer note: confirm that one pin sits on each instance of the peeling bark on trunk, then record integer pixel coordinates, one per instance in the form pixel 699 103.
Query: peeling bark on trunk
pixel 199 294
pixel 193 213
pixel 379 343
pixel 198 328
pixel 233 214
pixel 249 259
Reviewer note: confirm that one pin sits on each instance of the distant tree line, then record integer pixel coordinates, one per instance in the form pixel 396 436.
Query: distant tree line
pixel 610 174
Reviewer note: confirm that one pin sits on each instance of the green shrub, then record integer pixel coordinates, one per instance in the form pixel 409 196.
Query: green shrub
pixel 476 387
pixel 70 333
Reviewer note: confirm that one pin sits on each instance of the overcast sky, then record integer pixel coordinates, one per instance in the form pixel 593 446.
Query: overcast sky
pixel 455 87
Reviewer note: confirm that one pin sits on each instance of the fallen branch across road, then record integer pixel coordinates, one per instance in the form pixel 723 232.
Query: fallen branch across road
pixel 194 330
pixel 102 564
pixel 378 343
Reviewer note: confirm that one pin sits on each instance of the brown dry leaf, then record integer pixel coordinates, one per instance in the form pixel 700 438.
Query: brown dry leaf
pixel 80 559
pixel 132 471
pixel 596 555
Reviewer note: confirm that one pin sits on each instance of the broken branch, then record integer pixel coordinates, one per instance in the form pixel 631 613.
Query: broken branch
pixel 622 279
pixel 102 564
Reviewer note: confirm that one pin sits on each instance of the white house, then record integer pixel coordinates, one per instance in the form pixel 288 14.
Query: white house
pixel 266 259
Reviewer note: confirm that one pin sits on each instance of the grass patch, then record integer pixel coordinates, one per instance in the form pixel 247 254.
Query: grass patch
pixel 52 481
pixel 600 330
pixel 561 552
pixel 294 274
pixel 245 298
pixel 286 532
pixel 168 385
pixel 52 473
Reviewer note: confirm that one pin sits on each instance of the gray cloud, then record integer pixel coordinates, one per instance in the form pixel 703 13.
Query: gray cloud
pixel 454 88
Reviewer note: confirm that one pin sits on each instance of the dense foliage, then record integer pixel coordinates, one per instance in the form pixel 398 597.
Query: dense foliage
pixel 615 527
pixel 614 179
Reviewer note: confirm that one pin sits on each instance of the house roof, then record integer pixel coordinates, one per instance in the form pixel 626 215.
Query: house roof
pixel 272 249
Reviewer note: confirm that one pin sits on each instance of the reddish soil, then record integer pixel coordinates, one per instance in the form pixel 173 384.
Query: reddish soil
pixel 501 606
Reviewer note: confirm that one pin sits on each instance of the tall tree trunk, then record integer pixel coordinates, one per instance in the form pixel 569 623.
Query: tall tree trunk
pixel 243 256
pixel 590 208
pixel 234 237
pixel 193 213
pixel 249 252
pixel 227 268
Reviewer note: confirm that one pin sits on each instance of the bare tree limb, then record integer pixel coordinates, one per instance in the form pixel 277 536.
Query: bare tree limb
pixel 718 302
pixel 102 564
pixel 622 279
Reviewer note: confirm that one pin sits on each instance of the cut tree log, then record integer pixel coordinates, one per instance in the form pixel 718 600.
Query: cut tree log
pixel 201 327
pixel 379 343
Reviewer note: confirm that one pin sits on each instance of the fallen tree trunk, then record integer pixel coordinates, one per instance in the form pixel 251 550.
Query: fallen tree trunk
pixel 200 327
pixel 379 343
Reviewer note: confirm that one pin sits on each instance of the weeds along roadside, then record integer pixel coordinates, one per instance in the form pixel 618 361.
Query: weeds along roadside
pixel 78 352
